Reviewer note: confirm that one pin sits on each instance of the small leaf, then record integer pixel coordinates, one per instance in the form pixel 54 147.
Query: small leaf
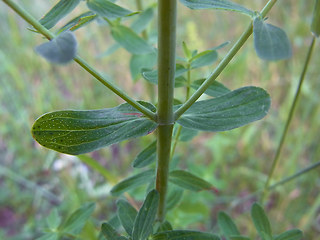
pixel 77 132
pixel 163 227
pixel 204 59
pixel 293 234
pixel 110 233
pixel 315 24
pixel 146 217
pixel 261 221
pixel 127 215
pixel 239 237
pixel 61 9
pixel 188 181
pixel 227 225
pixel 174 197
pixel 228 111
pixel 62 49
pixel 140 62
pixel 184 235
pixel 79 21
pixel 217 4
pixel 216 89
pixel 49 236
pixel 186 51
pixel 105 8
pixel 132 182
pixel 53 220
pixel 143 20
pixel 270 42
pixel 146 157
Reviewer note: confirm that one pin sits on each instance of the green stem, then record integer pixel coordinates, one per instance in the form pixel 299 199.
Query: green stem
pixel 45 32
pixel 167 14
pixel 225 61
pixel 291 112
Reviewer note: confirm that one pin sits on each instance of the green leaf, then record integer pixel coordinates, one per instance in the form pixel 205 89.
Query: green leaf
pixel 204 59
pixel 79 21
pixel 186 51
pixel 174 197
pixel 62 49
pixel 315 24
pixel 146 217
pixel 132 182
pixel 146 157
pixel 239 237
pixel 127 215
pixel 140 62
pixel 143 20
pixel 184 235
pixel 261 221
pixel 78 219
pixel 49 236
pixel 293 234
pixel 61 9
pixel 270 42
pixel 105 8
pixel 53 220
pixel 228 111
pixel 227 225
pixel 130 40
pixel 77 132
pixel 108 232
pixel 216 4
pixel 163 227
pixel 216 89
pixel 188 181
pixel 187 134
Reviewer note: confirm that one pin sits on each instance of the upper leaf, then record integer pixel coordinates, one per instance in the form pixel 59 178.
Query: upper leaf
pixel 315 23
pixel 77 132
pixel 228 111
pixel 216 89
pixel 127 215
pixel 109 232
pixel 143 20
pixel 184 235
pixel 227 225
pixel 79 21
pixel 261 221
pixel 105 8
pixel 146 157
pixel 293 234
pixel 203 59
pixel 217 4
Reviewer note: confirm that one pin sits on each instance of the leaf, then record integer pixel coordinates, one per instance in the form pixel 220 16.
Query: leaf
pixel 188 181
pixel 62 49
pixel 228 111
pixel 130 40
pixel 270 42
pixel 315 23
pixel 143 20
pixel 127 215
pixel 216 89
pixel 78 219
pixel 77 132
pixel 227 225
pixel 239 237
pixel 61 9
pixel 53 220
pixel 132 182
pixel 187 134
pixel 203 59
pixel 79 21
pixel 216 4
pixel 163 227
pixel 293 234
pixel 146 157
pixel 261 221
pixel 108 232
pixel 105 8
pixel 140 62
pixel 184 235
pixel 174 197
pixel 49 236
pixel 186 50
pixel 146 217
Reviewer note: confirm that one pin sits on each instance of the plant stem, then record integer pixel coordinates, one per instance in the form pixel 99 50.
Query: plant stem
pixel 45 32
pixel 225 61
pixel 291 112
pixel 167 14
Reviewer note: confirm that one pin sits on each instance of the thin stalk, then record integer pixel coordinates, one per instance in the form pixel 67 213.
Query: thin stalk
pixel 45 32
pixel 291 112
pixel 167 15
pixel 225 61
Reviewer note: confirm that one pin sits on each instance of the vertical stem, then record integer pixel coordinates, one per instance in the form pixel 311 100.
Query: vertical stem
pixel 167 11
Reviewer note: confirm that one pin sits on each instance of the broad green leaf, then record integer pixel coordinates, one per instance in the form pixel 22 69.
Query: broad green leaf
pixel 188 181
pixel 53 220
pixel 130 40
pixel 261 221
pixel 227 225
pixel 228 111
pixel 163 227
pixel 293 234
pixel 239 237
pixel 79 21
pixel 77 132
pixel 204 59
pixel 132 182
pixel 78 219
pixel 315 24
pixel 127 215
pixel 216 89
pixel 146 157
pixel 270 42
pixel 216 4
pixel 105 8
pixel 140 62
pixel 146 217
pixel 62 49
pixel 184 235
pixel 49 236
pixel 108 232
pixel 174 197
pixel 143 20
pixel 61 9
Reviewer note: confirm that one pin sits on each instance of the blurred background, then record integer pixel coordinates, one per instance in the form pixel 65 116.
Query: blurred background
pixel 34 180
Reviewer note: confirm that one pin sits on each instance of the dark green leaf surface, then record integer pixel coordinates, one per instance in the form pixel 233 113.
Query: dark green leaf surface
pixel 216 4
pixel 228 111
pixel 294 234
pixel 270 42
pixel 174 197
pixel 105 8
pixel 132 182
pixel 239 237
pixel 146 217
pixel 61 9
pixel 140 62
pixel 261 221
pixel 204 59
pixel 127 215
pixel 108 232
pixel 216 89
pixel 77 132
pixel 163 227
pixel 227 225
pixel 79 21
pixel 62 49
pixel 146 157
pixel 184 235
